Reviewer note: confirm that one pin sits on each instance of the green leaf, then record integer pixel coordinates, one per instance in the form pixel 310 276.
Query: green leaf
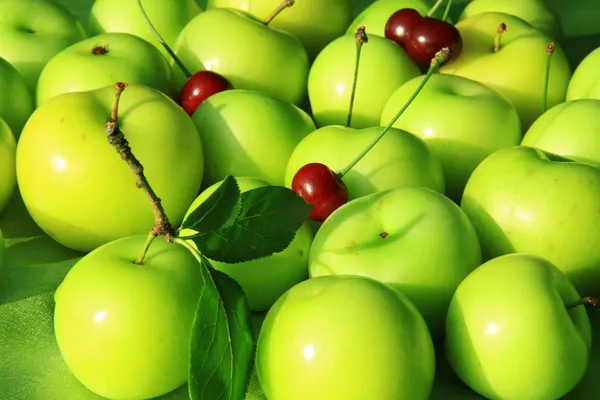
pixel 218 211
pixel 267 223
pixel 222 346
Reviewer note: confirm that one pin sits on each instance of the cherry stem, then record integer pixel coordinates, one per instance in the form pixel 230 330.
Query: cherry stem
pixel 447 10
pixel 497 39
pixel 549 50
pixel 361 38
pixel 179 63
pixel 435 7
pixel 285 4
pixel 440 57
pixel 162 226
pixel 587 301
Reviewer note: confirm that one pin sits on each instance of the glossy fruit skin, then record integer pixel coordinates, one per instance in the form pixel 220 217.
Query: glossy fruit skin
pixel 264 280
pixel 400 23
pixel 124 329
pixel 376 15
pixel 249 54
pixel 524 200
pixel 588 387
pixel 249 133
pixel 75 185
pixel 318 185
pixel 569 129
pixel 200 86
pixel 383 68
pixel 344 337
pixel 508 326
pixel 470 122
pixel 414 239
pixel 102 61
pixel 16 102
pixel 520 82
pixel 32 32
pixel 168 17
pixel 8 175
pixel 585 82
pixel 398 159
pixel 429 36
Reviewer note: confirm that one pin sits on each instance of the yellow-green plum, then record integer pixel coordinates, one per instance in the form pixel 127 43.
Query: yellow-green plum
pixel 167 16
pixel 249 133
pixel 414 239
pixel 314 22
pixel 509 325
pixel 399 159
pixel 8 176
pixel 16 101
pixel 526 200
pixel 250 54
pixel 124 329
pixel 522 81
pixel 534 12
pixel 375 16
pixel 384 67
pixel 344 337
pixel 77 188
pixel 570 129
pixel 34 31
pixel 264 280
pixel 469 123
pixel 585 82
pixel 102 61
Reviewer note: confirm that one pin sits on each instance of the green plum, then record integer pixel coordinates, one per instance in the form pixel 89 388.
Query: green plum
pixel 167 16
pixel 534 12
pixel 248 53
pixel 16 102
pixel 344 337
pixel 414 239
pixel 249 133
pixel 399 159
pixel 8 151
pixel 314 22
pixel 384 67
pixel 517 69
pixel 585 83
pixel 569 129
pixel 376 15
pixel 32 32
pixel 77 188
pixel 470 122
pixel 509 326
pixel 525 200
pixel 102 61
pixel 124 329
pixel 264 280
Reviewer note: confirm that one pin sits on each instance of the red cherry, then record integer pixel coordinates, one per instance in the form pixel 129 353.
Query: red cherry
pixel 199 87
pixel 430 35
pixel 319 186
pixel 400 23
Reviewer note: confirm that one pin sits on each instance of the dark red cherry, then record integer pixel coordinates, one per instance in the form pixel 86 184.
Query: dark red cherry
pixel 400 23
pixel 319 186
pixel 430 35
pixel 199 87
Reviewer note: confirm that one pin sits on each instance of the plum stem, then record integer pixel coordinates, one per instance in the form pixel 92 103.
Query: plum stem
pixel 361 38
pixel 587 301
pixel 162 226
pixel 179 63
pixel 440 57
pixel 498 38
pixel 284 4
pixel 447 10
pixel 435 7
pixel 549 50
